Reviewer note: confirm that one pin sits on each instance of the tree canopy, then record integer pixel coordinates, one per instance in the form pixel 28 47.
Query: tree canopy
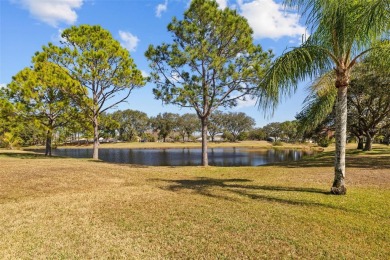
pixel 100 64
pixel 212 62
pixel 39 94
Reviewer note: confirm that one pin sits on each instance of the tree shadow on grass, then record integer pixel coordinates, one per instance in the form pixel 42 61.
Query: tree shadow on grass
pixel 215 187
pixel 354 159
pixel 28 155
pixel 118 163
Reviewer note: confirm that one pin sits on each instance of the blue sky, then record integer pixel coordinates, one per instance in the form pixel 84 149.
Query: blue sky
pixel 27 25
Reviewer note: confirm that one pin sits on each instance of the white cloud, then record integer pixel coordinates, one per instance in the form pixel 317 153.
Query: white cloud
pixel 145 74
pixel 129 41
pixel 3 85
pixel 222 3
pixel 52 12
pixel 269 19
pixel 248 102
pixel 161 8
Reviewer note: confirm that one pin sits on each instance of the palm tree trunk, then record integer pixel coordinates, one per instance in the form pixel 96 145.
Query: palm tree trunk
pixel 338 187
pixel 205 159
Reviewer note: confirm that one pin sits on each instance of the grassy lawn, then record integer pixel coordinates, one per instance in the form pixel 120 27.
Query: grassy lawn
pixel 76 208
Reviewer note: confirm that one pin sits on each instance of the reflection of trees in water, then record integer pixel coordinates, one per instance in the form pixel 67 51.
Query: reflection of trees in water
pixel 187 157
pixel 284 155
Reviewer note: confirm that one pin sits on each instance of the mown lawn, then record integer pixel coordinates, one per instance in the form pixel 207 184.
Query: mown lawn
pixel 78 209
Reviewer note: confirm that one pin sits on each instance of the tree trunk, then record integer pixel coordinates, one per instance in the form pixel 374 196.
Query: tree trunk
pixel 205 159
pixel 95 137
pixel 338 187
pixel 360 143
pixel 368 146
pixel 48 143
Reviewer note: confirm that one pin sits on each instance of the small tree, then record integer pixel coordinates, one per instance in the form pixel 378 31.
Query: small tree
pixel 7 114
pixel 187 124
pixel 164 124
pixel 40 94
pixel 132 123
pixel 273 130
pixel 237 123
pixel 289 130
pixel 215 124
pixel 212 62
pixel 257 134
pixel 94 58
pixel 108 126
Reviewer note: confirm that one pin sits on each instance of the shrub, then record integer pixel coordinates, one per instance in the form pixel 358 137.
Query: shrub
pixel 148 137
pixel 324 141
pixel 277 143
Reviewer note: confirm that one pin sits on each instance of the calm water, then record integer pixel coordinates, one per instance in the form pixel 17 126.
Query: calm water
pixel 186 157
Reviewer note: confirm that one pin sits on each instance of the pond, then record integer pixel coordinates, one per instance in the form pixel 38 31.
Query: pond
pixel 187 157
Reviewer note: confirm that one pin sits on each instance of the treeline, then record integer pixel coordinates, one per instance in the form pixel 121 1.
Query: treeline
pixel 124 125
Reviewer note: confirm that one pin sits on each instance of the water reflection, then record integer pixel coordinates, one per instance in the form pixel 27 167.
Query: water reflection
pixel 187 157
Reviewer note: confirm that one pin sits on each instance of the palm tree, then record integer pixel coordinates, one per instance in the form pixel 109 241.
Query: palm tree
pixel 342 32
pixel 368 101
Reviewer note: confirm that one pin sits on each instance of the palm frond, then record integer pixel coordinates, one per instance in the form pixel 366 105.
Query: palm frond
pixel 315 11
pixel 299 64
pixel 319 103
pixel 348 26
pixel 376 17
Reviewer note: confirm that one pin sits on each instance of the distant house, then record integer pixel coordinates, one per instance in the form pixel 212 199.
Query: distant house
pixel 107 140
pixel 271 139
pixel 217 138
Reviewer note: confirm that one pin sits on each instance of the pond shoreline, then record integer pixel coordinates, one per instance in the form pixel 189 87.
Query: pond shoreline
pixel 221 156
pixel 190 145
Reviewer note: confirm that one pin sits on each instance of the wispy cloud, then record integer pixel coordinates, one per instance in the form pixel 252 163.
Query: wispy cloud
pixel 222 3
pixel 269 19
pixel 128 40
pixel 247 102
pixel 52 12
pixel 145 74
pixel 161 8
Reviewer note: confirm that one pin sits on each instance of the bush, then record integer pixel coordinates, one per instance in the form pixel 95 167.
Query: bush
pixel 10 141
pixel 228 136
pixel 148 137
pixel 324 141
pixel 277 143
pixel 243 136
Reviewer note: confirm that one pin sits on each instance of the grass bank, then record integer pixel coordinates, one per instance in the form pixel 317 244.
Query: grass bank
pixel 76 208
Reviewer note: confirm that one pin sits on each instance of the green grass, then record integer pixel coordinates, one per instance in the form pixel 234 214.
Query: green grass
pixel 76 208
